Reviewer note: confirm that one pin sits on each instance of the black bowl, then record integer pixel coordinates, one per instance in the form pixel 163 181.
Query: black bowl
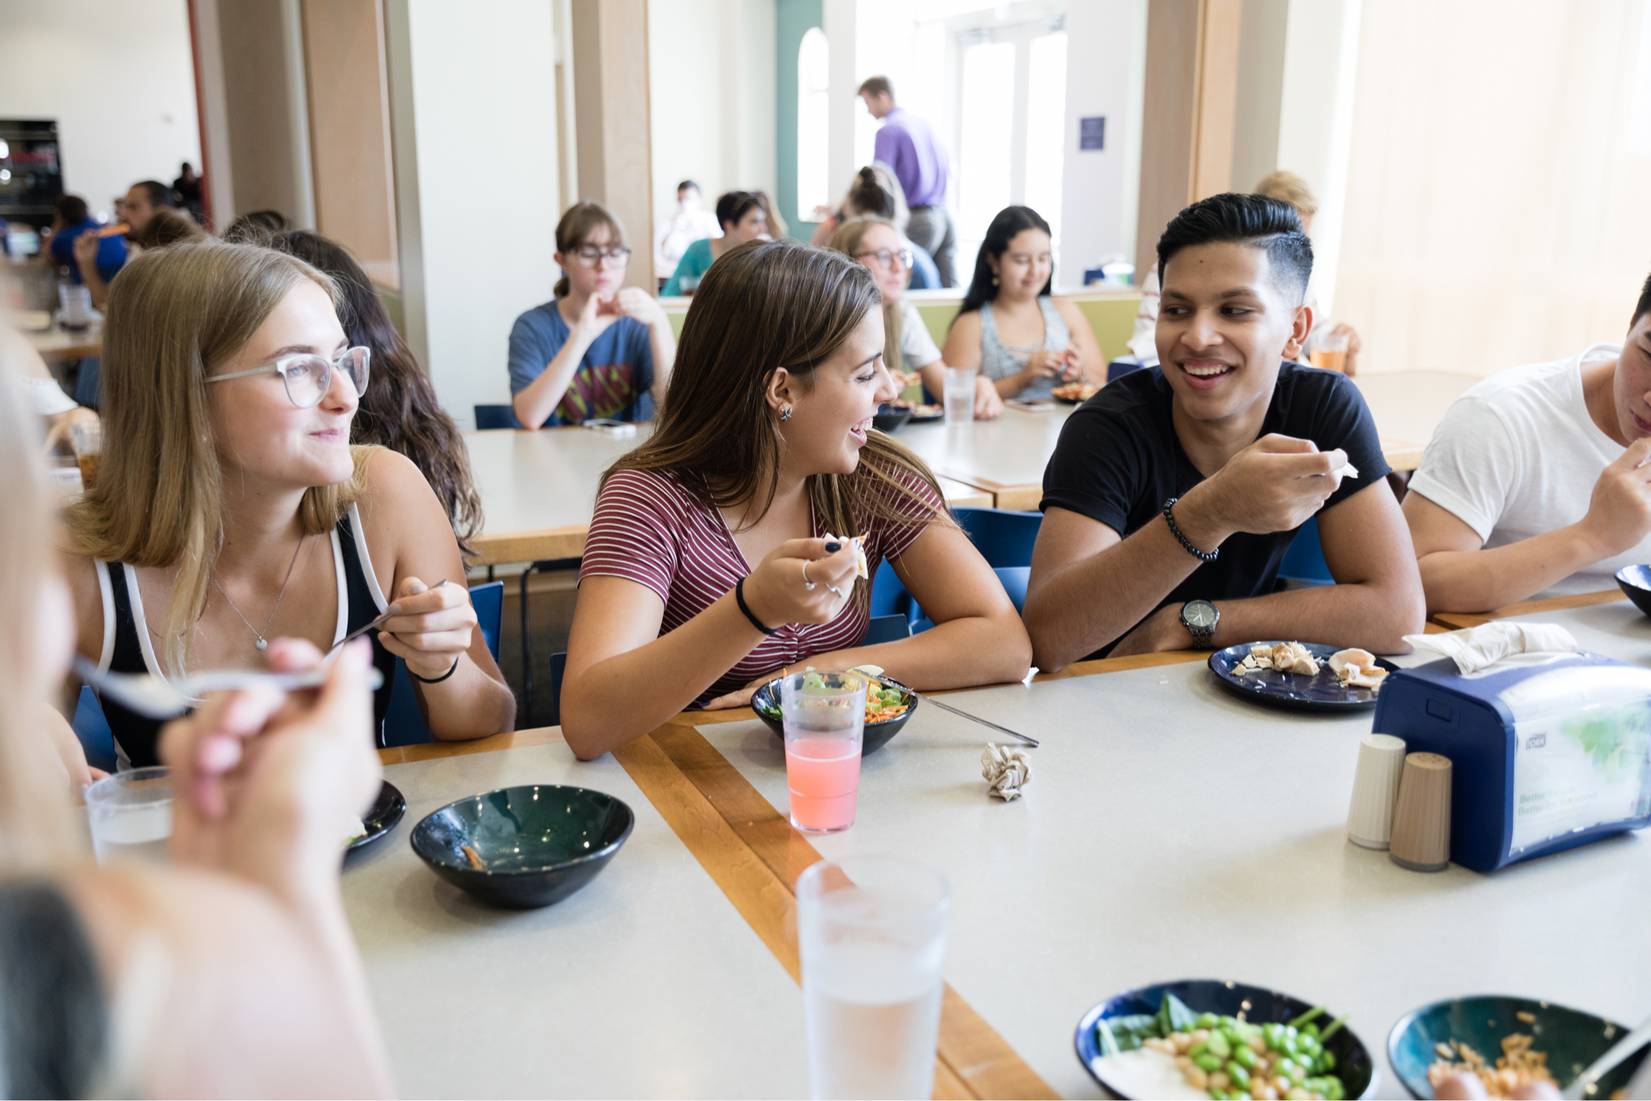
pixel 890 417
pixel 535 844
pixel 1227 999
pixel 1635 582
pixel 381 817
pixel 766 703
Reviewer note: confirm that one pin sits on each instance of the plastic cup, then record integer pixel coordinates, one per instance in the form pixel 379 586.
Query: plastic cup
pixel 872 938
pixel 824 715
pixel 1330 353
pixel 131 815
pixel 960 395
pixel 74 304
pixel 87 440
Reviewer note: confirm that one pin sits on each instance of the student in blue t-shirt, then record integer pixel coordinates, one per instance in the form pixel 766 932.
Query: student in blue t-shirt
pixel 72 220
pixel 596 348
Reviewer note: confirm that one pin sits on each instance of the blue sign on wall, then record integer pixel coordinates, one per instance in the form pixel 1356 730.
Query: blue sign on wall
pixel 1091 133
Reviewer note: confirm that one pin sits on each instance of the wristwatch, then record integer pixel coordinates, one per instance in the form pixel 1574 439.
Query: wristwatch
pixel 1199 617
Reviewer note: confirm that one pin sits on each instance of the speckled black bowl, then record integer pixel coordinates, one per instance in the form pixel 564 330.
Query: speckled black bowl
pixel 766 703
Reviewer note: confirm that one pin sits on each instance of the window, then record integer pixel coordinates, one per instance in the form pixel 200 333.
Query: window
pixel 813 122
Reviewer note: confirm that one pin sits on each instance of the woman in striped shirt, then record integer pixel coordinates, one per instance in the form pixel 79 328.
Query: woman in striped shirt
pixel 765 454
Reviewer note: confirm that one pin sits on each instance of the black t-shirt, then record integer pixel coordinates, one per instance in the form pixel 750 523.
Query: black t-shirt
pixel 1119 460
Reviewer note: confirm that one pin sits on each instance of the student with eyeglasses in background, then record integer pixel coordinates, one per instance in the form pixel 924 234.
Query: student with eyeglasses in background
pixel 597 347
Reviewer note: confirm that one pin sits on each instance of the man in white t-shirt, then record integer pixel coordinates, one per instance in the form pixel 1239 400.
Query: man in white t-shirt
pixel 1538 480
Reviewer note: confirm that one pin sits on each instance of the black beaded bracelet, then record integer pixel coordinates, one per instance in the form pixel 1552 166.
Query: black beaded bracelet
pixel 739 598
pixel 451 669
pixel 1175 530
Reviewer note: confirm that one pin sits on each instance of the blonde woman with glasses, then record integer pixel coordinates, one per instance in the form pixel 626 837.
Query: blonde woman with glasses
pixel 163 981
pixel 230 508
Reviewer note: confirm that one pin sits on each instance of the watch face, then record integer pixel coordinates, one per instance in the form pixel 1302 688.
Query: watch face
pixel 1200 613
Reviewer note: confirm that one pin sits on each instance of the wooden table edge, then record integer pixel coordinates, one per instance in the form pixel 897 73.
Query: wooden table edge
pixel 1457 620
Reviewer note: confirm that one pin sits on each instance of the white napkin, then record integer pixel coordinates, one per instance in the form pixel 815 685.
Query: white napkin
pixel 1503 643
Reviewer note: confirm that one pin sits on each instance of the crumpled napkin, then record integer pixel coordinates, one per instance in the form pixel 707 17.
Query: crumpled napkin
pixel 1006 771
pixel 1503 643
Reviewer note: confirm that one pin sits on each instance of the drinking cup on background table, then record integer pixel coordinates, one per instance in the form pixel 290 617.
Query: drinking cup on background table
pixel 87 440
pixel 1421 817
pixel 74 304
pixel 824 715
pixel 871 933
pixel 1331 352
pixel 1375 787
pixel 960 395
pixel 131 815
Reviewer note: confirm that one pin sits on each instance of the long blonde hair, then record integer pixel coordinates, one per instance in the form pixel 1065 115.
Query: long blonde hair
pixel 847 240
pixel 174 315
pixel 34 815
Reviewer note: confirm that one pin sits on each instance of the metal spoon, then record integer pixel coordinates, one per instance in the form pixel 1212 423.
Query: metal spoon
pixel 1599 1068
pixel 154 698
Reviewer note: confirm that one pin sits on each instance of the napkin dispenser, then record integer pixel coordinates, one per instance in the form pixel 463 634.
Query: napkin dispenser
pixel 1544 757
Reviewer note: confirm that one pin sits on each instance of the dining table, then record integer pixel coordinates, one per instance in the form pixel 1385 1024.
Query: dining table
pixel 57 344
pixel 1169 830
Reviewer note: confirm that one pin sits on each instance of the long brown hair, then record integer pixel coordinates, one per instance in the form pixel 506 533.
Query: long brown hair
pixel 762 306
pixel 400 409
pixel 576 223
pixel 174 315
pixel 847 241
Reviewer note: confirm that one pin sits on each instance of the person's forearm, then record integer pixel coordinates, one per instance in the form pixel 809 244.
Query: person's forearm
pixel 663 344
pixel 536 401
pixel 469 704
pixel 934 377
pixel 1010 385
pixel 634 693
pixel 959 653
pixel 1371 615
pixel 1089 603
pixel 1478 581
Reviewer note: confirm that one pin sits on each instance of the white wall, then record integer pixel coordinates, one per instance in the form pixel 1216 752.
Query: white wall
pixel 117 77
pixel 1105 75
pixel 713 90
pixel 473 113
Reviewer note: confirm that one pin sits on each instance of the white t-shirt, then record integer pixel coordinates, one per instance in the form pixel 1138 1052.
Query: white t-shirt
pixel 1518 455
pixel 917 347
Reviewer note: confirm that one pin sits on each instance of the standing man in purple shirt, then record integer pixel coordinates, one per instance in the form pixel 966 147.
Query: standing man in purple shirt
pixel 907 145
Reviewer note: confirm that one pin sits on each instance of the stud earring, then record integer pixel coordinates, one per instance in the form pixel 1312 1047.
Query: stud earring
pixel 994 280
pixel 785 414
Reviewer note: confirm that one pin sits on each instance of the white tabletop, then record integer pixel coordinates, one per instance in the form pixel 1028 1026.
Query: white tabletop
pixel 1008 451
pixel 646 983
pixel 1170 831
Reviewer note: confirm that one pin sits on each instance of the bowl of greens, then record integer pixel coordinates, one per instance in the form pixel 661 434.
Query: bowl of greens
pixel 1216 1038
pixel 889 706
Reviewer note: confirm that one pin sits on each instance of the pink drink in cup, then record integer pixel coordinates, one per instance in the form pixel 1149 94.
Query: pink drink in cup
pixel 824 716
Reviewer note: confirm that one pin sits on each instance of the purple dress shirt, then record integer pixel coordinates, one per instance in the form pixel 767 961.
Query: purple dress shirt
pixel 907 145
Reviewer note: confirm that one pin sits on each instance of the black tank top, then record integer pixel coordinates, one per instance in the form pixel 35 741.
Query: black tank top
pixel 54 1026
pixel 137 737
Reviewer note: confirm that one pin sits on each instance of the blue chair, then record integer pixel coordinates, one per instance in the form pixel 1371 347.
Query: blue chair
pixel 1002 537
pixel 1014 579
pixel 496 416
pixel 93 731
pixel 404 723
pixel 889 595
pixel 1304 562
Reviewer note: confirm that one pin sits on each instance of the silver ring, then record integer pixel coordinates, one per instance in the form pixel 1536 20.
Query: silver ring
pixel 834 590
pixel 807 584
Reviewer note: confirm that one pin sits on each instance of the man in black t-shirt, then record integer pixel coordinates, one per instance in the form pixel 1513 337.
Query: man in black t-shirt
pixel 1174 492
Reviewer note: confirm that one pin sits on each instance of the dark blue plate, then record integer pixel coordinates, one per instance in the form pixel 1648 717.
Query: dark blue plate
pixel 1228 999
pixel 1635 581
pixel 1292 691
pixel 1570 1038
pixel 381 817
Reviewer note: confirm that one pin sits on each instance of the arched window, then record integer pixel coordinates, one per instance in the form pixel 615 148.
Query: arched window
pixel 813 121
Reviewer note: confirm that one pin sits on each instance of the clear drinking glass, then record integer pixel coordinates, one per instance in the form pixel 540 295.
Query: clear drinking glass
pixel 87 440
pixel 960 395
pixel 131 815
pixel 871 932
pixel 1331 352
pixel 74 306
pixel 825 719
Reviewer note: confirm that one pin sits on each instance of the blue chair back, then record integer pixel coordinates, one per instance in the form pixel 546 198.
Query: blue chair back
pixel 92 729
pixel 1014 579
pixel 1304 562
pixel 404 723
pixel 496 416
pixel 889 595
pixel 886 628
pixel 1002 537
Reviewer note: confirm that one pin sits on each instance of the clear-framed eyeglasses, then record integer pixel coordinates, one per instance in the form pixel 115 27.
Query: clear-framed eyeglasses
pixel 308 377
pixel 589 256
pixel 886 257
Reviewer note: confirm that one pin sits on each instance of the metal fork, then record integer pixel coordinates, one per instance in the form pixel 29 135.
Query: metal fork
pixel 959 712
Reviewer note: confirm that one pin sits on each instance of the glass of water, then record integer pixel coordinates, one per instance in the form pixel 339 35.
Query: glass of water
pixel 872 936
pixel 131 815
pixel 960 395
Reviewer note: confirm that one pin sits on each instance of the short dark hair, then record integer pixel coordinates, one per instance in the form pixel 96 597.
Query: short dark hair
pixel 158 193
pixel 876 86
pixel 72 210
pixel 256 226
pixel 685 185
pixel 1642 307
pixel 734 205
pixel 1247 219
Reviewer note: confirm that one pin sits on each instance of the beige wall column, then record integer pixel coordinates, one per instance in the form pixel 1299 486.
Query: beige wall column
pixel 1188 125
pixel 610 79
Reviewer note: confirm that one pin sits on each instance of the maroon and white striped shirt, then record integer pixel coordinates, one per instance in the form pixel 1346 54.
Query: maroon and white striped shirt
pixel 650 529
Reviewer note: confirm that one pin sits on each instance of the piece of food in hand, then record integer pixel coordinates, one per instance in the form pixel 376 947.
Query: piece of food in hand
pixel 1076 391
pixel 1348 470
pixel 857 542
pixel 1357 668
